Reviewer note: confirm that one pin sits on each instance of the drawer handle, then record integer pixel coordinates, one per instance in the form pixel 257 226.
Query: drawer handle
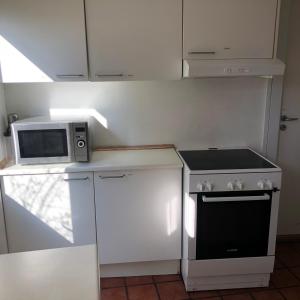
pixel 112 177
pixel 113 75
pixel 110 75
pixel 202 52
pixel 69 75
pixel 76 179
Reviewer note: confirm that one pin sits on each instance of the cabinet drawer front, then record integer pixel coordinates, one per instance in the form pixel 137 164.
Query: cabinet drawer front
pixel 49 211
pixel 138 215
pixel 226 29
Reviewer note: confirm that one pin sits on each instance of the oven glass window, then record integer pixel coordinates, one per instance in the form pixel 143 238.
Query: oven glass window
pixel 43 143
pixel 233 228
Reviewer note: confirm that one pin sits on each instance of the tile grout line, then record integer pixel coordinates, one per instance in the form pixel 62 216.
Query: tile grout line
pixel 126 291
pixel 282 295
pixel 252 296
pixel 156 288
pixel 294 275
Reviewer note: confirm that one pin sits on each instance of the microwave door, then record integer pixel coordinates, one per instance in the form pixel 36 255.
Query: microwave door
pixel 43 146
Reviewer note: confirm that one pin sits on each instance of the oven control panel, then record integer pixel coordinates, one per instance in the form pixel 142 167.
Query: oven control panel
pixel 234 182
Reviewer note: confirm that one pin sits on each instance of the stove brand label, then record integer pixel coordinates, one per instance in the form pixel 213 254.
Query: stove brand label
pixel 232 250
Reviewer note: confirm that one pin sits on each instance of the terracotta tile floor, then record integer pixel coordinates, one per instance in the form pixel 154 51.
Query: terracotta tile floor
pixel 285 284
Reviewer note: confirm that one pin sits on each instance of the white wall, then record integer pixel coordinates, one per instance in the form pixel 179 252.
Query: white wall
pixel 3 245
pixel 2 122
pixel 188 113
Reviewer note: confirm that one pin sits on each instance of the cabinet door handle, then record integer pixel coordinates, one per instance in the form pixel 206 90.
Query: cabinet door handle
pixel 110 75
pixel 113 75
pixel 69 75
pixel 202 52
pixel 76 179
pixel 112 177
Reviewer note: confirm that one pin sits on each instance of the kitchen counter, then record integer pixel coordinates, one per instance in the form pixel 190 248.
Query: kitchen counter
pixel 33 275
pixel 104 161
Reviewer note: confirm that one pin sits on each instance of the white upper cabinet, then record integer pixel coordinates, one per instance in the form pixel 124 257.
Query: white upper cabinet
pixel 134 39
pixel 43 40
pixel 229 29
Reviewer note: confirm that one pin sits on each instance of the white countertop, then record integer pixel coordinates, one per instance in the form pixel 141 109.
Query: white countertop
pixel 105 161
pixel 65 273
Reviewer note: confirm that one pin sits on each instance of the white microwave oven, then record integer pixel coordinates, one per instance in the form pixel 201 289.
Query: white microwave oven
pixel 43 140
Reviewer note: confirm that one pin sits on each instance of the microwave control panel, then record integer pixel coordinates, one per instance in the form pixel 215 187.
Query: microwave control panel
pixel 80 134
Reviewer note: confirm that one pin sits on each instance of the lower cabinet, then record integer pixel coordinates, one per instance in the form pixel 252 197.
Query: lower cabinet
pixel 49 211
pixel 138 215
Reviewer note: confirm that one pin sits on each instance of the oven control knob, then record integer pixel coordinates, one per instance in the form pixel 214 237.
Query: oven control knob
pixel 231 186
pixel 201 187
pixel 269 184
pixel 209 186
pixel 261 184
pixel 81 144
pixel 239 185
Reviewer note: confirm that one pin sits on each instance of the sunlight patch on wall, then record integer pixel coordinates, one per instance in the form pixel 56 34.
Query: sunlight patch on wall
pixel 15 67
pixel 78 113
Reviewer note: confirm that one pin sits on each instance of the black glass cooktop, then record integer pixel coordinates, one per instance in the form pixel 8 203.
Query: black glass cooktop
pixel 224 160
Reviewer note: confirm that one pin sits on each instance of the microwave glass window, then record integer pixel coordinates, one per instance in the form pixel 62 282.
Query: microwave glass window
pixel 43 143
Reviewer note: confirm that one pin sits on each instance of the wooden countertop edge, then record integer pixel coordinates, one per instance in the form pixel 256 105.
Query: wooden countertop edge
pixel 139 147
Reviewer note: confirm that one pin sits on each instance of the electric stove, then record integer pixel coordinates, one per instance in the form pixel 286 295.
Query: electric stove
pixel 231 200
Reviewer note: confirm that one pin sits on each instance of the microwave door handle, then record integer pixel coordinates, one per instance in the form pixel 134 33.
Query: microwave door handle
pixel 235 199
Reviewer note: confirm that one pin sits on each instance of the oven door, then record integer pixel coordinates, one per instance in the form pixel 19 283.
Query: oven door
pixel 43 143
pixel 233 224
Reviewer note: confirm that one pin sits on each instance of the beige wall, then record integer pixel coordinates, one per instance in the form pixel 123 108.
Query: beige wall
pixel 189 113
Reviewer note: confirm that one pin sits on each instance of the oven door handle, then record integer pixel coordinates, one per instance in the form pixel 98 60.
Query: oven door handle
pixel 235 199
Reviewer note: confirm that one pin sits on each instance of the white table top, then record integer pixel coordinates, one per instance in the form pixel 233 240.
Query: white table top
pixel 106 161
pixel 58 274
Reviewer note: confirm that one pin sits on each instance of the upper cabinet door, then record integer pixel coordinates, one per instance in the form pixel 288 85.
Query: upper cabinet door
pixel 43 40
pixel 134 39
pixel 227 29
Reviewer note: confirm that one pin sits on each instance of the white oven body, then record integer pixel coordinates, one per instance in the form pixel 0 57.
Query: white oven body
pixel 239 272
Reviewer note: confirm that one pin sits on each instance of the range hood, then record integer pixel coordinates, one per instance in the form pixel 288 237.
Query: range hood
pixel 197 68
